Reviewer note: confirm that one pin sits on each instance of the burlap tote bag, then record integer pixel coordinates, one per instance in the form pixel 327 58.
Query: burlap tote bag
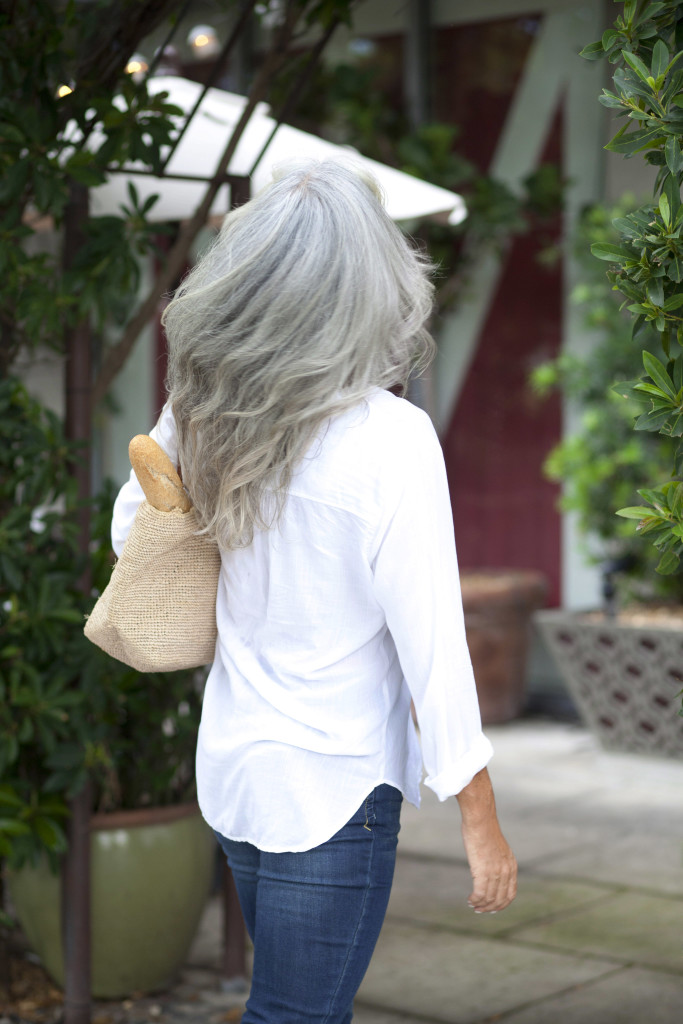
pixel 158 611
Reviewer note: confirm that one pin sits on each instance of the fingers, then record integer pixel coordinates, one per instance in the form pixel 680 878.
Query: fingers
pixel 494 890
pixel 493 866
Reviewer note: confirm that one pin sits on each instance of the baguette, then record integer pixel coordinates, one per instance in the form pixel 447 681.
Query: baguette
pixel 157 475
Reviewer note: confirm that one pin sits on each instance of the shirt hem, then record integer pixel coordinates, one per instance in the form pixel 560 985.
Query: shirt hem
pixel 308 845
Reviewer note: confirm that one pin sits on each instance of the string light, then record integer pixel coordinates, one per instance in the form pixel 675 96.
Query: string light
pixel 204 41
pixel 136 66
pixel 64 90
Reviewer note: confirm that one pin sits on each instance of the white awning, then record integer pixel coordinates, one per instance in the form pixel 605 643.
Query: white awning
pixel 206 137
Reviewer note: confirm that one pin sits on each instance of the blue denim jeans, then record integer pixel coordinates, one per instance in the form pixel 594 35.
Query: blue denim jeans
pixel 315 917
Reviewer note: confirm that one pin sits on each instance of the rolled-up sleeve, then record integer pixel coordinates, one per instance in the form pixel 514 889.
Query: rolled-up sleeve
pixel 417 584
pixel 131 494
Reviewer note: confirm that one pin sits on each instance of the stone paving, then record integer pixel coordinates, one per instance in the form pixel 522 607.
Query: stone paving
pixel 594 937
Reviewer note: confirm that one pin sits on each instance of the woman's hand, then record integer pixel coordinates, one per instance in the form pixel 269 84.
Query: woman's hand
pixel 492 863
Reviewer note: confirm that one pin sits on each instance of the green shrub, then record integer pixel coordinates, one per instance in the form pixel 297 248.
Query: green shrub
pixel 69 712
pixel 646 45
pixel 602 464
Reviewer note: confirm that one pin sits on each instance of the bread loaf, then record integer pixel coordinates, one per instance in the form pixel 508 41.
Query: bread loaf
pixel 157 475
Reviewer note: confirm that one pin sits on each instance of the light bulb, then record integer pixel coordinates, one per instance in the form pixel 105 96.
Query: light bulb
pixel 136 67
pixel 204 41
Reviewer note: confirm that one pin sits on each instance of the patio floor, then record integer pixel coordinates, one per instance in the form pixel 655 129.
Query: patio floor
pixel 594 937
pixel 596 932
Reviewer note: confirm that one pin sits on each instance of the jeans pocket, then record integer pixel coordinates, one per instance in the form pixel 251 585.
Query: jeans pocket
pixel 387 802
pixel 370 813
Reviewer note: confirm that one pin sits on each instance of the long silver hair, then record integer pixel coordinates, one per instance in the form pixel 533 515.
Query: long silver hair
pixel 308 299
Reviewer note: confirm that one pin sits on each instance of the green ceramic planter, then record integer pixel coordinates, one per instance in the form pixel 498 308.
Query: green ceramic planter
pixel 151 874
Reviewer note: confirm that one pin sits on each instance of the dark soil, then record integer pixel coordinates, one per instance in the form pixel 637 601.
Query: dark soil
pixel 30 995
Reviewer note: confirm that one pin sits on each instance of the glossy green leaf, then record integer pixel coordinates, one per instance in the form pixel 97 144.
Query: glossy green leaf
pixel 630 8
pixel 628 83
pixel 675 499
pixel 660 59
pixel 674 270
pixel 628 143
pixel 674 60
pixel 654 496
pixel 626 227
pixel 612 253
pixel 635 512
pixel 609 100
pixel 675 428
pixel 672 153
pixel 668 563
pixel 671 190
pixel 652 421
pixel 634 62
pixel 593 51
pixel 665 209
pixel 14 827
pixel 658 373
pixel 648 12
pixel 650 389
pixel 609 36
pixel 50 833
pixel 626 388
pixel 85 174
pixel 678 374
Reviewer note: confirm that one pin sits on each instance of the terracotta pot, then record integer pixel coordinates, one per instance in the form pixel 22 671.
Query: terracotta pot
pixel 498 607
pixel 151 874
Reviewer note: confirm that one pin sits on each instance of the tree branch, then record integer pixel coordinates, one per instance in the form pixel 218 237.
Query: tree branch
pixel 115 35
pixel 177 257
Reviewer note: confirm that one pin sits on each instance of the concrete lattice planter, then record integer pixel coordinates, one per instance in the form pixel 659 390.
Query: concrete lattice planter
pixel 151 874
pixel 623 678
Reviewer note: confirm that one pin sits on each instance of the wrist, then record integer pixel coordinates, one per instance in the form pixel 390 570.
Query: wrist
pixel 477 803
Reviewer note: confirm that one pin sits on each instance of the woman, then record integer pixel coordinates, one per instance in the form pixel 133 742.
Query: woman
pixel 339 597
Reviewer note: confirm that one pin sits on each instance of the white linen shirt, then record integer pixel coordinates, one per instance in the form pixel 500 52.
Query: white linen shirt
pixel 327 625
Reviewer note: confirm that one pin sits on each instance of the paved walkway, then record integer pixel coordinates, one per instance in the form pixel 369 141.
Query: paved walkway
pixel 594 937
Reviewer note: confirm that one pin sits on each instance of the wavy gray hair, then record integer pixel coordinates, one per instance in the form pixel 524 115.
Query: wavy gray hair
pixel 309 298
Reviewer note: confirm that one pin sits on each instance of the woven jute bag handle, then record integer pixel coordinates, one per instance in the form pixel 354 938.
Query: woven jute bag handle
pixel 158 611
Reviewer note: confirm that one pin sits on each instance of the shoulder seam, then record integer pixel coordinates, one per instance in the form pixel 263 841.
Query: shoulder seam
pixel 329 504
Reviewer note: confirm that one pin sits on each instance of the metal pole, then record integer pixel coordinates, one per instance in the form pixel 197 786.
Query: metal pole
pixel 234 958
pixel 234 965
pixel 243 61
pixel 417 62
pixel 76 867
pixel 175 25
pixel 234 37
pixel 417 76
pixel 240 190
pixel 297 88
pixel 76 912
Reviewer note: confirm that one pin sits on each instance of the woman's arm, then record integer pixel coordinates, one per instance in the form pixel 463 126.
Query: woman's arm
pixel 417 584
pixel 492 863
